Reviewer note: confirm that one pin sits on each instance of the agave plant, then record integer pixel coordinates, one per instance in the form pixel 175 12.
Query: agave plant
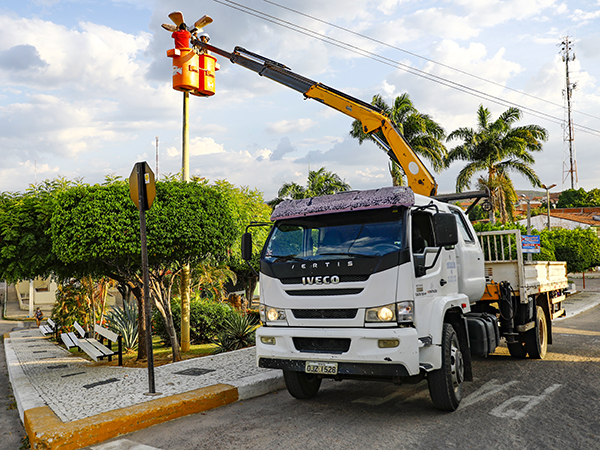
pixel 124 321
pixel 238 332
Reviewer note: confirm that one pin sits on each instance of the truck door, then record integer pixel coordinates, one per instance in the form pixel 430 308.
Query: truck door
pixel 469 259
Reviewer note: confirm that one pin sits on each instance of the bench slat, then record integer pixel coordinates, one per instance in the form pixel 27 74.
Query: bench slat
pixel 68 341
pixel 92 351
pixel 110 335
pixel 105 350
pixel 80 330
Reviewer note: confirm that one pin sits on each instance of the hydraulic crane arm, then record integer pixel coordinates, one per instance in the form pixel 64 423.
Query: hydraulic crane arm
pixel 372 118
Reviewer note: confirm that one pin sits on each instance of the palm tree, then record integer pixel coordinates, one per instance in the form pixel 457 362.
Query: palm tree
pixel 497 148
pixel 320 182
pixel 423 134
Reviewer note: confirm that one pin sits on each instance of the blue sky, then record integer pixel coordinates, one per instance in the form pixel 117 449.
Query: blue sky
pixel 85 86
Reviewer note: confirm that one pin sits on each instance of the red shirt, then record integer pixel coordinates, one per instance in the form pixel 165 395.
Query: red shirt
pixel 182 38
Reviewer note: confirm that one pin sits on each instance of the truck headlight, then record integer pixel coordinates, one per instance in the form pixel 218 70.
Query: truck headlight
pixel 269 314
pixel 381 314
pixel 404 311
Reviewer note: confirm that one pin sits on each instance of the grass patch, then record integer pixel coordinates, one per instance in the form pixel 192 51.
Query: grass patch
pixel 162 355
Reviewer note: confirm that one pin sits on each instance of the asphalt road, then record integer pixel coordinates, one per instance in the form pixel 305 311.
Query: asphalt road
pixel 525 404
pixel 11 428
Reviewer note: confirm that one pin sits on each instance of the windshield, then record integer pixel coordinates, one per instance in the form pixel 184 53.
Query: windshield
pixel 364 233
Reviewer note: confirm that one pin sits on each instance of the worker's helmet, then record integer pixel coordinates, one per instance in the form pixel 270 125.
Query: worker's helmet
pixel 205 35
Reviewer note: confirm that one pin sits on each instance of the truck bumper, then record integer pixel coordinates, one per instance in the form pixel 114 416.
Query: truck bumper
pixel 356 351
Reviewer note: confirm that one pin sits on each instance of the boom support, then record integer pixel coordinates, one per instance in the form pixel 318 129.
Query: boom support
pixel 372 118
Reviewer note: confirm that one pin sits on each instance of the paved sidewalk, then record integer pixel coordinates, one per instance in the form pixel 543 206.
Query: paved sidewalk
pixel 67 402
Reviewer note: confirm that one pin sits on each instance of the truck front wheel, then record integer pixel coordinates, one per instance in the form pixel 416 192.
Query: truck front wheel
pixel 445 384
pixel 301 385
pixel 536 339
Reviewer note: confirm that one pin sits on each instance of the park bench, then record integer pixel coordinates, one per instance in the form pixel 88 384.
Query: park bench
pixel 94 348
pixel 49 328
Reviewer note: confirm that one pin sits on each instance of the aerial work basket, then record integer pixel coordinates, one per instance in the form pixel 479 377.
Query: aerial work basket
pixel 193 73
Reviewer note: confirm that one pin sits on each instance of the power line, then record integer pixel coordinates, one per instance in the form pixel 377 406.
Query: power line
pixel 396 64
pixel 416 55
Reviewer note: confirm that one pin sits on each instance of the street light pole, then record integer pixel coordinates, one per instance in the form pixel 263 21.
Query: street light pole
pixel 185 271
pixel 548 200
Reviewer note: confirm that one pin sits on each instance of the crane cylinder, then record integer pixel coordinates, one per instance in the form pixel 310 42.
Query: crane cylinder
pixel 186 72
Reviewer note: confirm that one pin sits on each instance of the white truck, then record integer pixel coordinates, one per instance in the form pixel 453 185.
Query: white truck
pixel 389 284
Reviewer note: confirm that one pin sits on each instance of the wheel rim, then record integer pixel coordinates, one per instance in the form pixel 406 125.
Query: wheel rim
pixel 457 366
pixel 541 332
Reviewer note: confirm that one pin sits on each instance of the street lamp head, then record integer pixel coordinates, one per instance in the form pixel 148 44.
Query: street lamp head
pixel 548 187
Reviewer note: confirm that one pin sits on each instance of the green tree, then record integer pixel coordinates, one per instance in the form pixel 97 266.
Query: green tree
pixel 246 205
pixel 25 246
pixel 576 198
pixel 423 134
pixel 97 228
pixel 498 148
pixel 320 182
pixel 580 248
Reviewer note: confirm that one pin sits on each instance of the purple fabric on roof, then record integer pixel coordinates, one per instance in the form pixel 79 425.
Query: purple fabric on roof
pixel 345 201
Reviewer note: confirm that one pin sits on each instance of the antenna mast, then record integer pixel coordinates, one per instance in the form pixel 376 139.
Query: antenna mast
pixel 569 162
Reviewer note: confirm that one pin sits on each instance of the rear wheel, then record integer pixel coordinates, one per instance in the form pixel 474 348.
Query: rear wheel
pixel 445 384
pixel 536 339
pixel 517 350
pixel 301 385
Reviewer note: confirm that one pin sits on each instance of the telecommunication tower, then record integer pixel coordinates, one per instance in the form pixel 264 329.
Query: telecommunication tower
pixel 569 159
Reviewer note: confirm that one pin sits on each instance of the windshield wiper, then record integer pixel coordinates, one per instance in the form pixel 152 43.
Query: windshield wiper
pixel 355 255
pixel 284 257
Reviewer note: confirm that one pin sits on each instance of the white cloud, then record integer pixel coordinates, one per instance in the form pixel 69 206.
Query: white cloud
pixel 290 126
pixel 204 146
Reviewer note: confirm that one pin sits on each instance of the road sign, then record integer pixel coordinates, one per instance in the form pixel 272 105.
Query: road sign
pixel 530 243
pixel 149 185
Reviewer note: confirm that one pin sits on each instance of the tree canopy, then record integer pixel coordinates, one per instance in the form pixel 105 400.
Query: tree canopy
pixel 575 198
pixel 423 134
pixel 497 148
pixel 320 182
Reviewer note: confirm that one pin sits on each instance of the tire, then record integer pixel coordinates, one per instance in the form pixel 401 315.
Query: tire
pixel 445 384
pixel 517 350
pixel 301 385
pixel 536 339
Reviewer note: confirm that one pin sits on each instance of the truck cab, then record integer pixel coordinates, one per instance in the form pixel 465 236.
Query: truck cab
pixel 366 285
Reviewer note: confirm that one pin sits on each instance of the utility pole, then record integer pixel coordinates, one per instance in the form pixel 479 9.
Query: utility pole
pixel 570 162
pixel 157 157
pixel 185 271
pixel 548 200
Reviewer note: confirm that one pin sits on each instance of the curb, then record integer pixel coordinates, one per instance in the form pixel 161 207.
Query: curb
pixel 46 431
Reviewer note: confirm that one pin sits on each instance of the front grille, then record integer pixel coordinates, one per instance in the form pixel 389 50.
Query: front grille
pixel 324 313
pixel 323 292
pixel 322 345
pixel 343 279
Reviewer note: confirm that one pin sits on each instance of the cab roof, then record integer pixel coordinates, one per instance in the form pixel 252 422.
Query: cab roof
pixel 345 201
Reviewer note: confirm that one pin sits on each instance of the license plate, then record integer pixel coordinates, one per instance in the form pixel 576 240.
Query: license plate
pixel 322 368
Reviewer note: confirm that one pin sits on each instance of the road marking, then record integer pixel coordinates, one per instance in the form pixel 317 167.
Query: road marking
pixel 561 330
pixel 406 394
pixel 506 409
pixel 122 444
pixel 487 390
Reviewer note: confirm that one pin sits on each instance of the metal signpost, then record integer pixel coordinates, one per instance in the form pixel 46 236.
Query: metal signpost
pixel 142 189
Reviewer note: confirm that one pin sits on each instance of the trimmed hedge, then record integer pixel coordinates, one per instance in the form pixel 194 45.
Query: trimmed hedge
pixel 207 319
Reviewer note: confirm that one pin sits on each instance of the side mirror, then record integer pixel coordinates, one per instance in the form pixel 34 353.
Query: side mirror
pixel 246 246
pixel 445 229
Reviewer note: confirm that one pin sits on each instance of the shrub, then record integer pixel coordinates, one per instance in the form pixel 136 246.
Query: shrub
pixel 206 320
pixel 239 331
pixel 124 321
